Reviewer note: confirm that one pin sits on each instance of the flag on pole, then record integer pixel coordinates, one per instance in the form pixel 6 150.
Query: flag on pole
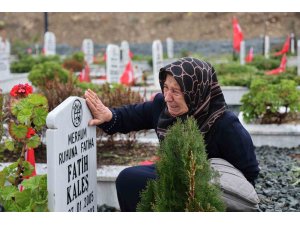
pixel 285 47
pixel 250 56
pixel 84 75
pixel 237 35
pixel 280 69
pixel 127 77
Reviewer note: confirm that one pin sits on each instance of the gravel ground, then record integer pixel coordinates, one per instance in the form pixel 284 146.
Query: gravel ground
pixel 276 182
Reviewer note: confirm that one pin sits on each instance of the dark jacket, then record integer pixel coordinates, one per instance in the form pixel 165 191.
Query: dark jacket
pixel 227 138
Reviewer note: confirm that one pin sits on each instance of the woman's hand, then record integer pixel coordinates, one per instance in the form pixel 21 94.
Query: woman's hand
pixel 100 112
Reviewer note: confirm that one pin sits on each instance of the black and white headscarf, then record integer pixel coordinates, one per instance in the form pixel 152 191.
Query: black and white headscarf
pixel 202 93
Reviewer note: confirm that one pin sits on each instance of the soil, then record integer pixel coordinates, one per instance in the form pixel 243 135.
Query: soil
pixel 137 27
pixel 117 154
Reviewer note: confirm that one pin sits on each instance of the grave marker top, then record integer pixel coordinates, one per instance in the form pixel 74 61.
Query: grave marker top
pixel 88 50
pixel 49 43
pixel 113 63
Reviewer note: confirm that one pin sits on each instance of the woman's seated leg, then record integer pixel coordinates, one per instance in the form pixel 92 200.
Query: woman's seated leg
pixel 130 182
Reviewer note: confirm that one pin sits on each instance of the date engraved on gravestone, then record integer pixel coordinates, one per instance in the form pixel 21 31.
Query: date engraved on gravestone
pixel 76 113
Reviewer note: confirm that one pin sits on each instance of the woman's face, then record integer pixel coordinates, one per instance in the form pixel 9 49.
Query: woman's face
pixel 174 97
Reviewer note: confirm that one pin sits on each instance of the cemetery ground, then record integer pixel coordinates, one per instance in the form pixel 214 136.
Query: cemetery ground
pixel 276 185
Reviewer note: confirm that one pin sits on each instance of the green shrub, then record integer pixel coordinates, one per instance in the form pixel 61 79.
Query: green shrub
pixel 184 174
pixel 75 63
pixel 47 71
pixel 26 62
pixel 261 63
pixel 24 65
pixel 234 74
pixel 264 100
pixel 234 68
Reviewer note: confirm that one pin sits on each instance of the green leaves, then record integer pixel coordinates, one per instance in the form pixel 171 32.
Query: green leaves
pixel 184 174
pixel 265 101
pixel 18 132
pixel 34 141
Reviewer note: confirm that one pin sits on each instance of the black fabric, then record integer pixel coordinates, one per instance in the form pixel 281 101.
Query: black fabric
pixel 129 184
pixel 202 93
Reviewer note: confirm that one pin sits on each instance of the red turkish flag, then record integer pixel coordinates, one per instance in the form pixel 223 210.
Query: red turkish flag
pixel 250 56
pixel 285 47
pixel 31 159
pixel 237 35
pixel 280 69
pixel 127 77
pixel 84 75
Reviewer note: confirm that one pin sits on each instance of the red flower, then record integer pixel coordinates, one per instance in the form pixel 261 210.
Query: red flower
pixel 30 132
pixel 21 90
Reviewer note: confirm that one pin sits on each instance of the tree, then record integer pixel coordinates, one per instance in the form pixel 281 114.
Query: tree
pixel 184 174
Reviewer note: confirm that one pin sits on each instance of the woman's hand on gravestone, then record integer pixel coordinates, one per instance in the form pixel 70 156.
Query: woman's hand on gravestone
pixel 100 112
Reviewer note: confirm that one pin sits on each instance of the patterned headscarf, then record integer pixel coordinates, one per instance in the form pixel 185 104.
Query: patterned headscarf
pixel 202 93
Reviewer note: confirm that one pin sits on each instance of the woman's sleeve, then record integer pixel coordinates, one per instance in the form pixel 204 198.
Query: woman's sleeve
pixel 133 117
pixel 237 148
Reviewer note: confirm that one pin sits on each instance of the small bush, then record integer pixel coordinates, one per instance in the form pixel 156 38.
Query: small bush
pixel 47 71
pixel 184 174
pixel 75 63
pixel 261 63
pixel 264 101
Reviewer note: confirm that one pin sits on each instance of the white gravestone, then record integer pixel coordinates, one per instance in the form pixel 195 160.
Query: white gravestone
pixel 125 52
pixel 49 43
pixel 267 47
pixel 170 48
pixel 88 50
pixel 292 43
pixel 157 58
pixel 71 158
pixel 4 59
pixel 242 53
pixel 113 63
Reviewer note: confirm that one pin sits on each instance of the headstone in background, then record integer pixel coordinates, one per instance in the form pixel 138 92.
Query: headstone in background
pixel 88 50
pixel 124 52
pixel 4 59
pixel 298 57
pixel 49 43
pixel 157 58
pixel 267 47
pixel 242 53
pixel 170 47
pixel 113 63
pixel 292 43
pixel 71 158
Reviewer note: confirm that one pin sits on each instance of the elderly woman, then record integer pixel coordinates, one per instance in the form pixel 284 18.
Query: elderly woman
pixel 189 88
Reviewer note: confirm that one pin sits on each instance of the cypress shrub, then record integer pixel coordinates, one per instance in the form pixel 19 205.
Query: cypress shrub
pixel 184 174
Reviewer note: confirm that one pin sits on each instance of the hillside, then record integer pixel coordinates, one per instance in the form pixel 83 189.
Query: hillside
pixel 72 28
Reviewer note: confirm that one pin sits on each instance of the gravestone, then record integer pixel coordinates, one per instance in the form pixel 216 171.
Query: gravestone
pixel 49 43
pixel 71 158
pixel 157 58
pixel 113 63
pixel 267 47
pixel 4 59
pixel 170 48
pixel 125 52
pixel 242 53
pixel 88 50
pixel 292 43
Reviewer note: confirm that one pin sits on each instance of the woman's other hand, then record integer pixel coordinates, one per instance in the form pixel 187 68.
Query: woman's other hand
pixel 100 112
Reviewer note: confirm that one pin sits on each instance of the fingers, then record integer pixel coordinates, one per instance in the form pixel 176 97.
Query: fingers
pixel 94 122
